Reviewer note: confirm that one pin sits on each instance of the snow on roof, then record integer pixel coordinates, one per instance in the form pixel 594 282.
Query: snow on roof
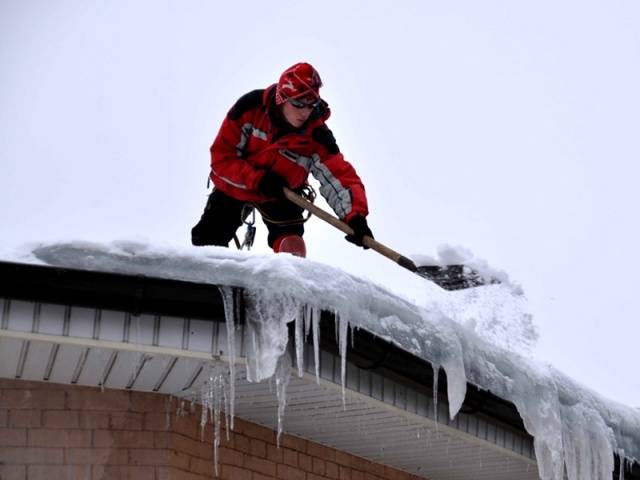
pixel 479 336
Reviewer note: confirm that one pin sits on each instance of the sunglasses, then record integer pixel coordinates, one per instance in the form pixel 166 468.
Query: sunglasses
pixel 298 104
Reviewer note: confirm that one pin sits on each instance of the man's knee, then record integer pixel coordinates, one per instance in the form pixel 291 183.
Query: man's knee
pixel 204 234
pixel 219 222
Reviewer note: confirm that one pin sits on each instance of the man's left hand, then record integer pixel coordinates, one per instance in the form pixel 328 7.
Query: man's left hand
pixel 360 229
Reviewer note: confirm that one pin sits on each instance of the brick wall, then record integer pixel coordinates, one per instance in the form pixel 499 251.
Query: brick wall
pixel 50 432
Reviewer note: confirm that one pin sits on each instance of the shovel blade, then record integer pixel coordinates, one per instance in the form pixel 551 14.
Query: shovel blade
pixel 454 277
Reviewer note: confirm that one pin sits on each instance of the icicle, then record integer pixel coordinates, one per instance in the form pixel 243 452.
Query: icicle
pixel 229 314
pixel 282 378
pixel 203 420
pixel 351 330
pixel 308 311
pixel 622 463
pixel 227 407
pixel 436 371
pixel 299 332
pixel 213 397
pixel 342 342
pixel 182 411
pixel 316 342
pixel 168 412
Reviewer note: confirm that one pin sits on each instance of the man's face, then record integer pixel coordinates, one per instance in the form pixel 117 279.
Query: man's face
pixel 297 112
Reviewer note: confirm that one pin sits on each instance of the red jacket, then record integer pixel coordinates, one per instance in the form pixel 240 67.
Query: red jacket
pixel 255 138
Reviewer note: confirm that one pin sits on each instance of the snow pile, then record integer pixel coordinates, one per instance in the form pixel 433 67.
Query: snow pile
pixel 574 429
pixel 499 314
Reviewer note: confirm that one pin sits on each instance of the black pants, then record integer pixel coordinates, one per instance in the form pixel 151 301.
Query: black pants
pixel 222 217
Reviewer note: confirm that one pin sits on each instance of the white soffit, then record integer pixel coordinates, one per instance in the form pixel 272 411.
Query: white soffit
pixel 380 420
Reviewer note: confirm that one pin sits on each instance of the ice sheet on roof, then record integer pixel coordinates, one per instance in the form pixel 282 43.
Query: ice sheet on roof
pixel 467 334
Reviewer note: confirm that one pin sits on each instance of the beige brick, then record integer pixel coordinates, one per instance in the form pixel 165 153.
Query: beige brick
pixel 67 472
pixel 257 431
pixel 146 456
pixel 371 476
pixel 290 457
pixel 60 419
pixel 151 402
pixel 332 470
pixel 178 460
pixel 195 448
pixel 319 466
pixel 31 456
pixel 13 437
pixel 229 472
pixel 157 421
pixel 121 438
pixel 46 437
pixel 13 472
pixel 393 474
pixel 295 443
pixel 359 463
pixel 313 476
pixel 231 457
pixel 95 399
pixel 258 448
pixel 357 475
pixel 8 384
pixel 259 476
pixel 96 456
pixel 32 399
pixel 126 421
pixel 345 473
pixel 186 425
pixel 201 467
pixel 285 472
pixel 161 439
pixel 305 462
pixel 122 472
pixel 25 418
pixel 260 465
pixel 376 469
pixel 320 451
pixel 94 420
pixel 275 454
pixel 172 473
pixel 241 443
pixel 344 459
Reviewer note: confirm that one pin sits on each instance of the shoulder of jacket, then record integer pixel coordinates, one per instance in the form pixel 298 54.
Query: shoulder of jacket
pixel 247 102
pixel 324 136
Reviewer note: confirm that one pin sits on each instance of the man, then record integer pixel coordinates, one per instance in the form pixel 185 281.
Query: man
pixel 270 139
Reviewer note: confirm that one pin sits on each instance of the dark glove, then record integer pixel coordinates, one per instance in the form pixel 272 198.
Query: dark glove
pixel 360 229
pixel 271 184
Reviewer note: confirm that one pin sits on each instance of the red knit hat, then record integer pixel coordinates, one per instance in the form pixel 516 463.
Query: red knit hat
pixel 298 81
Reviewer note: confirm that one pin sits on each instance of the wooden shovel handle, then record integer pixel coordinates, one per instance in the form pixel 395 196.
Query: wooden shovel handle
pixel 342 226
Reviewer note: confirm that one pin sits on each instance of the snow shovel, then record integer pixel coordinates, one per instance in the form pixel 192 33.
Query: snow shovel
pixel 449 277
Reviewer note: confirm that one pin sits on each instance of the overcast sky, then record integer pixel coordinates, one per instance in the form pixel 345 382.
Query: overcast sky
pixel 510 128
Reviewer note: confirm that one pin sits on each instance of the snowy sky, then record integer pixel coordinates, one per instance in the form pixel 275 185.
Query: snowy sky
pixel 510 128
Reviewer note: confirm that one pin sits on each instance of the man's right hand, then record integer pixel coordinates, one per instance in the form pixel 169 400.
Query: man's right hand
pixel 272 184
